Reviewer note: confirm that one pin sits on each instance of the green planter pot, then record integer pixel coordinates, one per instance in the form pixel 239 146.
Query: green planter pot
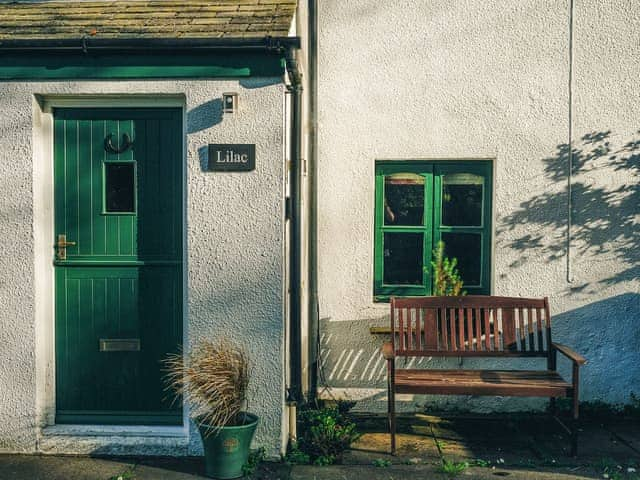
pixel 227 450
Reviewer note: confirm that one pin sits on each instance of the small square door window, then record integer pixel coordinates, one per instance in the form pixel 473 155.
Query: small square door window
pixel 119 187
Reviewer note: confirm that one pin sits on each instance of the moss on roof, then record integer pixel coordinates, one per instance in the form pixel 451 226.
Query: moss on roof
pixel 146 19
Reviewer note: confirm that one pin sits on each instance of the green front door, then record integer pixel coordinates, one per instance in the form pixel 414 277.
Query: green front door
pixel 118 268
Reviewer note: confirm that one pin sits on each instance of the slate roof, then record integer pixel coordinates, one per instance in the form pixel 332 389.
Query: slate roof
pixel 146 19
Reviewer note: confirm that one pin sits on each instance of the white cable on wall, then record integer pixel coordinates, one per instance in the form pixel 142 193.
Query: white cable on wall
pixel 570 155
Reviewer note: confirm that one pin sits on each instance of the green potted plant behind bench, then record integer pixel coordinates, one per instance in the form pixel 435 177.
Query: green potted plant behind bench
pixel 213 380
pixel 447 280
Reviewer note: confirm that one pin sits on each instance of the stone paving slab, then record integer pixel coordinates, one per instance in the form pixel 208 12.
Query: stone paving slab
pixel 518 448
pixel 517 438
pixel 38 467
pixel 473 438
pixel 629 434
pixel 378 444
pixel 517 443
pixel 49 467
pixel 397 472
pixel 34 467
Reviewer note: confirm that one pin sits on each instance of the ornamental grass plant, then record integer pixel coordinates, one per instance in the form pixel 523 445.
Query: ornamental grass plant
pixel 213 379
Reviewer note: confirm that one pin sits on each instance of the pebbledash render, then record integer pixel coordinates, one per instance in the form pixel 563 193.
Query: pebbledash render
pixel 526 109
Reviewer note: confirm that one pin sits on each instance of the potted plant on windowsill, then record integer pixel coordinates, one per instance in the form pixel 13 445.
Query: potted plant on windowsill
pixel 447 280
pixel 213 380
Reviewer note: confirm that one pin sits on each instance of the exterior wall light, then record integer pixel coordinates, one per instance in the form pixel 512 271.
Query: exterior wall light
pixel 230 102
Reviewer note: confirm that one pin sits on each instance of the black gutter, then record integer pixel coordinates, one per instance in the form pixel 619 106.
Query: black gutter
pixel 312 248
pixel 88 43
pixel 295 229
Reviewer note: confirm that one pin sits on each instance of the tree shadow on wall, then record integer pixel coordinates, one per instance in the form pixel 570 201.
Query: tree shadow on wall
pixel 605 196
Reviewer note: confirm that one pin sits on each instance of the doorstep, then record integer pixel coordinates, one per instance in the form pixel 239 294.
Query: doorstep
pixel 114 440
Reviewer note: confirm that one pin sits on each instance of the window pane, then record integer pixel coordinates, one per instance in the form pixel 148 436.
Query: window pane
pixel 403 199
pixel 462 199
pixel 119 187
pixel 466 247
pixel 403 259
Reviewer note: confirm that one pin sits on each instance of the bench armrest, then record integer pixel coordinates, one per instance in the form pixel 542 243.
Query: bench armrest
pixel 569 353
pixel 387 351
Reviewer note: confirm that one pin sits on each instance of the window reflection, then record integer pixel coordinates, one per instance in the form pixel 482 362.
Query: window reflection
pixel 467 248
pixel 403 258
pixel 462 199
pixel 403 199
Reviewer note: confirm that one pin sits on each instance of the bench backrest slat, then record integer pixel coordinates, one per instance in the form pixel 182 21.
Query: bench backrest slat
pixel 472 325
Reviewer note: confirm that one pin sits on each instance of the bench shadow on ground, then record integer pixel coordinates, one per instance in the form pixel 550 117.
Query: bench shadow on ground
pixel 521 441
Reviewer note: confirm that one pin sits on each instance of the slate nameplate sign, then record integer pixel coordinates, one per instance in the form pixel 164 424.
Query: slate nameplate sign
pixel 229 157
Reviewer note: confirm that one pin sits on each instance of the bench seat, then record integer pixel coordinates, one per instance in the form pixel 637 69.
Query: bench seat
pixel 513 383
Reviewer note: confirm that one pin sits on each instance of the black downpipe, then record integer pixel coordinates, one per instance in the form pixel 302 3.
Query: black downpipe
pixel 295 229
pixel 314 310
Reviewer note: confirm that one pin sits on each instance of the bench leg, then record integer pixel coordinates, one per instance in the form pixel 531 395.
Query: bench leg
pixel 391 405
pixel 392 420
pixel 575 412
pixel 391 402
pixel 570 427
pixel 574 426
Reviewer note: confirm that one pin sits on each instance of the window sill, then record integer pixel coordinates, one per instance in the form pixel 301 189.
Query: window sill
pixel 379 330
pixel 381 298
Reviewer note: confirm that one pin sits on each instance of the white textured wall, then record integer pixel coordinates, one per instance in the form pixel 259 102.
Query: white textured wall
pixel 17 296
pixel 472 79
pixel 234 240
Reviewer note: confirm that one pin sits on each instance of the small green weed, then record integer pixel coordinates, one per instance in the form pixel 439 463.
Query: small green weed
pixel 478 462
pixel 529 463
pixel 295 456
pixel 324 460
pixel 440 444
pixel 453 468
pixel 325 433
pixel 632 409
pixel 606 465
pixel 128 474
pixel 613 476
pixel 253 461
pixel 381 463
pixel 612 470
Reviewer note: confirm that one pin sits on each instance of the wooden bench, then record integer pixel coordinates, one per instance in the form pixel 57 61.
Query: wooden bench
pixel 477 326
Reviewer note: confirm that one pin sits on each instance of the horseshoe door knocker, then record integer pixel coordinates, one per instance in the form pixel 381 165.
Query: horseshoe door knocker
pixel 127 143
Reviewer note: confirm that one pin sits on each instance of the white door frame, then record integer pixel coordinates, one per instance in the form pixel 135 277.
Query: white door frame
pixel 43 228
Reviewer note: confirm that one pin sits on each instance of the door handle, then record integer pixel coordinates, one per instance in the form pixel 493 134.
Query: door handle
pixel 62 245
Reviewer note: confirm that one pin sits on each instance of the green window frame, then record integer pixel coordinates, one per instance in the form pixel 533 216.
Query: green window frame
pixel 434 176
